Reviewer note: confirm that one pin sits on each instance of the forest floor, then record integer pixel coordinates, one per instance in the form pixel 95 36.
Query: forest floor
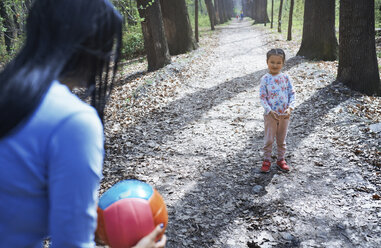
pixel 194 130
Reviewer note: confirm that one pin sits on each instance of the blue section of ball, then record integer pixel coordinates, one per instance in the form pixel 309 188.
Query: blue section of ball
pixel 125 189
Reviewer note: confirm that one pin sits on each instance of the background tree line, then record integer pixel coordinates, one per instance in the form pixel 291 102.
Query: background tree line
pixel 357 23
pixel 160 28
pixel 210 13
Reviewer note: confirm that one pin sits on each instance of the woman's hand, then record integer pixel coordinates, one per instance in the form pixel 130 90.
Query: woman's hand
pixel 274 115
pixel 149 240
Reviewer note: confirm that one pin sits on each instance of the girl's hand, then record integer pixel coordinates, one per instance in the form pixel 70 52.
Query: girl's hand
pixel 149 240
pixel 274 115
pixel 288 111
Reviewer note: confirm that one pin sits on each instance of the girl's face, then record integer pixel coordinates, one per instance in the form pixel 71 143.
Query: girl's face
pixel 275 64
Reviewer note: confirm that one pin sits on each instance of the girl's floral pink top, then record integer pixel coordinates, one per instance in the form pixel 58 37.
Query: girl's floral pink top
pixel 276 93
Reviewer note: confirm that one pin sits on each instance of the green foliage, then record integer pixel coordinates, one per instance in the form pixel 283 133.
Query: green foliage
pixel 133 42
pixel 16 12
pixel 297 17
pixel 377 12
pixel 203 18
pixel 297 26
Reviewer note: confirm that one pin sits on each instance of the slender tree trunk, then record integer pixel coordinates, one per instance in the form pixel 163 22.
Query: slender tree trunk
pixel 358 66
pixel 211 13
pixel 155 42
pixel 196 19
pixel 319 39
pixel 272 13
pixel 177 26
pixel 289 34
pixel 280 16
pixel 201 9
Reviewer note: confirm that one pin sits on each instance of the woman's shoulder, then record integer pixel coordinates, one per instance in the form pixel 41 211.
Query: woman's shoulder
pixel 59 105
pixel 59 110
pixel 60 101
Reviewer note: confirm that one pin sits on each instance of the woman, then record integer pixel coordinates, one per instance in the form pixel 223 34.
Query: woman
pixel 51 143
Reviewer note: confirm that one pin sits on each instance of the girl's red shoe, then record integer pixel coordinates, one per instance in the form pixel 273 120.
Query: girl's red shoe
pixel 282 165
pixel 266 166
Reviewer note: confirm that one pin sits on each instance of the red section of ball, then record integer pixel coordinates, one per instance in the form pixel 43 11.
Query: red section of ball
pixel 127 221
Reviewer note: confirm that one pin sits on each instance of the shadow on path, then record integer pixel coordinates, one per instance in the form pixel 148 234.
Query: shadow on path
pixel 192 107
pixel 212 210
pixel 178 114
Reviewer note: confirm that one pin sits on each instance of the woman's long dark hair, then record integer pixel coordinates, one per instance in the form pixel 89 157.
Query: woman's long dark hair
pixel 74 39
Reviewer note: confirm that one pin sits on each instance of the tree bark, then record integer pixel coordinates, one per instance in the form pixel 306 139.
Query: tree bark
pixel 254 7
pixel 196 19
pixel 260 9
pixel 211 13
pixel 358 66
pixel 221 13
pixel 226 5
pixel 217 14
pixel 272 13
pixel 155 42
pixel 319 39
pixel 177 26
pixel 289 34
pixel 248 8
pixel 280 16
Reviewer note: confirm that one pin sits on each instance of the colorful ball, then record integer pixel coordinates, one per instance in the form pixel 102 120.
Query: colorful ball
pixel 128 211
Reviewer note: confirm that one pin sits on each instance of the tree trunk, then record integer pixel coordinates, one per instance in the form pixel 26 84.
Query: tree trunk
pixel 280 16
pixel 289 34
pixel 357 52
pixel 155 42
pixel 211 13
pixel 260 9
pixel 226 5
pixel 253 9
pixel 247 8
pixel 221 11
pixel 8 25
pixel 177 26
pixel 272 13
pixel 196 19
pixel 218 19
pixel 319 39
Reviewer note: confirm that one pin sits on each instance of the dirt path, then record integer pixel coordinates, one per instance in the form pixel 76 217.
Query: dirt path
pixel 202 150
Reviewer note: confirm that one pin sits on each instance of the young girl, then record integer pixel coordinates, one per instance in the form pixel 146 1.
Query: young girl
pixel 278 99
